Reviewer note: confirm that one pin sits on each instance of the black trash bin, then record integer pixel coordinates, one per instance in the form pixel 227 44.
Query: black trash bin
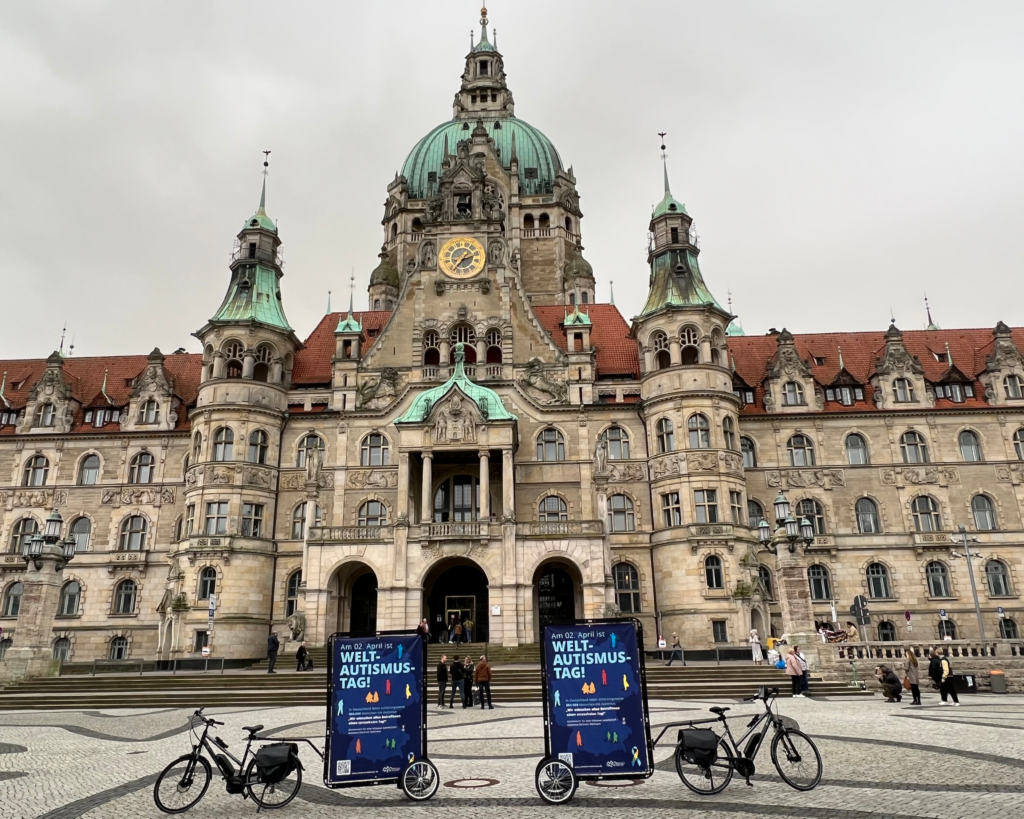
pixel 965 684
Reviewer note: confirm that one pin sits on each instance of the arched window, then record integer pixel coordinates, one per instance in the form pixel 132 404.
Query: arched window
pixel 947 628
pixel 621 517
pixel 552 509
pixel 700 431
pixel 868 522
pixel 224 444
pixel 306 447
pixel 550 445
pixel 765 576
pixel 755 514
pixel 70 595
pixel 814 512
pixel 494 353
pixel 627 588
pixel 1008 629
pixel 666 435
pixel 749 453
pixel 1013 385
pixel 22 533
pixel 207 582
pixel 792 394
pixel 62 649
pixel 878 582
pixel 140 470
pixel 1018 443
pixel 431 349
pixel 119 648
pixel 914 448
pixel 81 531
pixel 149 412
pixel 938 579
pixel 528 222
pixel 998 578
pixel 374 451
pixel 903 391
pixel 728 433
pixel 984 513
pixel 12 599
pixel 264 356
pixel 291 600
pixel 133 534
pixel 970 446
pixel 662 356
pixel 124 597
pixel 925 510
pixel 89 470
pixel 801 451
pixel 856 449
pixel 45 415
pixel 36 470
pixel 299 520
pixel 689 338
pixel 258 447
pixel 373 513
pixel 233 352
pixel 457 500
pixel 197 448
pixel 886 632
pixel 618 443
pixel 713 572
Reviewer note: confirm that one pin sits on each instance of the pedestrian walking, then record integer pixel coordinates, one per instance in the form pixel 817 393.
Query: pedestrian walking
pixel 273 645
pixel 467 701
pixel 914 676
pixel 467 629
pixel 458 633
pixel 946 679
pixel 451 629
pixel 442 680
pixel 301 657
pixel 458 682
pixel 424 629
pixel 806 678
pixel 891 685
pixel 676 649
pixel 755 647
pixel 795 671
pixel 483 681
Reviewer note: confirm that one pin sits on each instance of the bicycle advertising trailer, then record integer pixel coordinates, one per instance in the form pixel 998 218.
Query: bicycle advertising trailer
pixel 377 713
pixel 596 723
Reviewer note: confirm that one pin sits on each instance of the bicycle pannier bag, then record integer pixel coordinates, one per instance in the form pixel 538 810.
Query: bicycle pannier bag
pixel 275 762
pixel 699 746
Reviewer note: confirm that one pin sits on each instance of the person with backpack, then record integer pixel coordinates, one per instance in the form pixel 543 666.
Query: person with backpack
pixel 946 680
pixel 457 628
pixel 483 681
pixel 935 668
pixel 442 680
pixel 458 682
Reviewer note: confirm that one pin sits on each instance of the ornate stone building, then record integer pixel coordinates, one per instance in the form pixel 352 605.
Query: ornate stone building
pixel 488 441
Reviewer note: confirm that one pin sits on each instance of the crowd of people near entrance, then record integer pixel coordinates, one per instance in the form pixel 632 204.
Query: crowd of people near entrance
pixel 464 675
pixel 456 631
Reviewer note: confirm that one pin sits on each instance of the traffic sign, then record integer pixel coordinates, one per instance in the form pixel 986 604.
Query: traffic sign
pixel 1000 612
pixel 942 614
pixel 907 615
pixel 859 610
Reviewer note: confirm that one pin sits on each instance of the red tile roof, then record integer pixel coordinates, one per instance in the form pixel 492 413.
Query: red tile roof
pixel 617 354
pixel 313 362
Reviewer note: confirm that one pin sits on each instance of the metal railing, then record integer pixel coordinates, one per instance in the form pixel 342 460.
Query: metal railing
pixel 257 254
pixel 113 666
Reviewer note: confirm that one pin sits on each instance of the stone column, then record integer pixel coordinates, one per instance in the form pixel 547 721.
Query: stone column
pixel 248 365
pixel 402 503
pixel 481 356
pixel 606 546
pixel 31 654
pixel 311 504
pixel 427 495
pixel 508 488
pixel 219 364
pixel 674 352
pixel 795 598
pixel 485 485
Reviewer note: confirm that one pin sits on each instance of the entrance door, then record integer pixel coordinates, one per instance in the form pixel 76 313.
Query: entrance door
pixel 459 589
pixel 364 605
pixel 556 597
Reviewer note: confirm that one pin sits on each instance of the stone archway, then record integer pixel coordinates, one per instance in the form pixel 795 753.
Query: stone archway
pixel 557 594
pixel 353 600
pixel 456 586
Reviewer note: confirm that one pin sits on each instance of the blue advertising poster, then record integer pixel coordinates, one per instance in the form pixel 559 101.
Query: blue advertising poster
pixel 595 699
pixel 376 718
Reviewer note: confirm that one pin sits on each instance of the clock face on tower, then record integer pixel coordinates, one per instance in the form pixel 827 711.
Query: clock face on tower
pixel 462 257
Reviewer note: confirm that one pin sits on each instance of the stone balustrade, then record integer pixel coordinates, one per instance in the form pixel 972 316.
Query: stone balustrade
pixel 560 528
pixel 348 534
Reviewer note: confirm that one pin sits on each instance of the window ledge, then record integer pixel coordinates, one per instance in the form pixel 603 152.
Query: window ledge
pixel 943 598
pixel 68 617
pixel 123 616
pixel 1003 596
pixel 888 599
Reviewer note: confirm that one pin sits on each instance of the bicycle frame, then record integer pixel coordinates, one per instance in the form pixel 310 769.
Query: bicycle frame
pixel 214 747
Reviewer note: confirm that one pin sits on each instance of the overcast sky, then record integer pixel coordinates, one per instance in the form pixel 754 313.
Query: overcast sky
pixel 839 159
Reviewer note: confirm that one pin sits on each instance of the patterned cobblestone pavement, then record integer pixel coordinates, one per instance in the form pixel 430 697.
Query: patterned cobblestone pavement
pixel 880 760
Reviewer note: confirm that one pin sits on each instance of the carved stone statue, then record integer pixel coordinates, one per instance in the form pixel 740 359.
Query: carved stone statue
pixel 536 384
pixel 314 462
pixel 428 256
pixel 601 457
pixel 297 624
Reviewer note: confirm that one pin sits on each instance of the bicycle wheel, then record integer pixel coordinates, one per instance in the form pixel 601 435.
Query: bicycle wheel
pixel 182 784
pixel 275 795
pixel 420 780
pixel 556 781
pixel 801 765
pixel 706 780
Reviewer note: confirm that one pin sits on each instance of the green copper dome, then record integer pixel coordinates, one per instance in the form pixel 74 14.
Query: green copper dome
pixel 385 273
pixel 538 158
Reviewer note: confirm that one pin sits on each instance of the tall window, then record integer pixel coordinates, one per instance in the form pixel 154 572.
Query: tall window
pixel 938 579
pixel 291 600
pixel 552 509
pixel 197 448
pixel 998 578
pixel 431 349
pixel 903 391
pixel 755 514
pixel 216 518
pixel 12 599
pixel 868 522
pixel 62 649
pixel 914 448
pixel 149 412
pixel 373 513
pixel 925 510
pixel 700 431
pixel 264 356
pixel 736 507
pixel 233 352
pixel 984 513
pixel 306 447
pixel 36 470
pixel 119 648
pixel 621 517
pixel 878 582
pixel 258 447
pixel 45 415
pixel 947 628
pixel 1008 629
pixel 821 582
pixel 801 451
pixel 765 576
pixel 814 512
pixel 662 357
pixel 89 471
pixel 749 453
pixel 374 451
pixel 670 510
pixel 124 597
pixel 550 445
pixel 618 443
pixel 666 435
pixel 133 534
pixel 70 596
pixel 190 520
pixel 690 352
pixel 299 520
pixel 81 531
pixel 223 444
pixel 792 394
pixel 886 632
pixel 1013 386
pixel 458 500
pixel 207 582
pixel 720 631
pixel 856 449
pixel 4 645
pixel 627 588
pixel 22 533
pixel 713 572
pixel 1018 443
pixel 706 503
pixel 729 433
pixel 252 520
pixel 970 446
pixel 140 470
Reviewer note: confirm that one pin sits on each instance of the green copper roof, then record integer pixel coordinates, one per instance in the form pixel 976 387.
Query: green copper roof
pixel 349 324
pixel 260 218
pixel 483 45
pixel 533 150
pixel 486 400
pixel 734 329
pixel 668 204
pixel 576 318
pixel 676 281
pixel 254 294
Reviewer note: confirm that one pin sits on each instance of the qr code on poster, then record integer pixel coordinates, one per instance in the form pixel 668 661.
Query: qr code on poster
pixel 566 758
pixel 343 767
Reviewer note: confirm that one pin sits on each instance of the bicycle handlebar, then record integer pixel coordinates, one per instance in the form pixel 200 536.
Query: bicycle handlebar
pixel 207 720
pixel 762 694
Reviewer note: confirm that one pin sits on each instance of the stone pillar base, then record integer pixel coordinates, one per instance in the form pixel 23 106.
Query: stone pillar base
pixel 809 643
pixel 22 664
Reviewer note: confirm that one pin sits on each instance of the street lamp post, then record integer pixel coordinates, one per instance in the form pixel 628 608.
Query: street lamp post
pixel 969 556
pixel 795 594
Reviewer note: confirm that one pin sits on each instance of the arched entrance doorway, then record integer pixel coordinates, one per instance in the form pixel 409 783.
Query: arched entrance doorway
pixel 456 587
pixel 557 595
pixel 353 600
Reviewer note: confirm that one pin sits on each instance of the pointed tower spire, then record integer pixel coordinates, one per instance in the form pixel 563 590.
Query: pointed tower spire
pixel 949 356
pixel 266 169
pixel 611 291
pixel 928 312
pixel 513 157
pixel 664 161
pixel 328 302
pixel 841 365
pixel 3 385
pixel 349 323
pixel 484 44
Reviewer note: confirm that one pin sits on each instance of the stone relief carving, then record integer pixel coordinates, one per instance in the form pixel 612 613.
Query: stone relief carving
pixel 919 475
pixel 702 461
pixel 805 478
pixel 669 465
pixel 193 476
pixel 373 479
pixel 135 496
pixel 535 383
pixel 1011 473
pixel 619 473
pixel 455 423
pixel 257 477
pixel 297 480
pixel 379 392
pixel 37 498
pixel 733 462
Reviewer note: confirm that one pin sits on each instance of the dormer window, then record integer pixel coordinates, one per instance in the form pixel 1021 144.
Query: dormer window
pixel 46 415
pixel 792 394
pixel 903 391
pixel 844 395
pixel 531 173
pixel 954 392
pixel 675 236
pixel 942 358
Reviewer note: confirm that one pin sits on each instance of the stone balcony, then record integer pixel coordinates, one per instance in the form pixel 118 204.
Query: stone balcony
pixel 560 528
pixel 468 530
pixel 351 534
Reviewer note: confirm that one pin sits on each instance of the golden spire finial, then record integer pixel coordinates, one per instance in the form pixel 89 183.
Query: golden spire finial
pixel 483 15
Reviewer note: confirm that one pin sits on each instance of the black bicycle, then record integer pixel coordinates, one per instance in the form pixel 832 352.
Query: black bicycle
pixel 270 777
pixel 705 761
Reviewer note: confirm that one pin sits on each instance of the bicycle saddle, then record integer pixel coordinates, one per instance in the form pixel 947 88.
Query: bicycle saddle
pixel 717 710
pixel 252 729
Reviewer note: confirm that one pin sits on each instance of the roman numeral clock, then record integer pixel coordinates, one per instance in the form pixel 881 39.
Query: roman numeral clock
pixel 462 257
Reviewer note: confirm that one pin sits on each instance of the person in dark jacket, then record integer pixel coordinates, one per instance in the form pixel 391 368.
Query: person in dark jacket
pixel 891 685
pixel 946 679
pixel 273 645
pixel 442 680
pixel 469 674
pixel 301 657
pixel 935 668
pixel 458 682
pixel 483 682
